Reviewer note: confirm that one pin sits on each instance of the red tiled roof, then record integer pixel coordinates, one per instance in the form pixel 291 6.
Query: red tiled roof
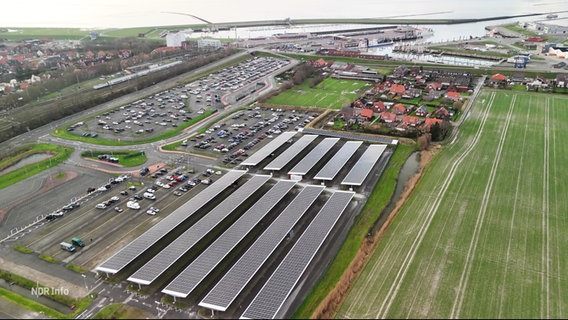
pixel 399 108
pixel 430 121
pixel 388 116
pixel 411 120
pixel 453 95
pixel 498 77
pixel 367 113
pixel 397 89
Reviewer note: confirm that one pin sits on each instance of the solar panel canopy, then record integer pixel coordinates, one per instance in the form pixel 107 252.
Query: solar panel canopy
pixel 190 278
pixel 276 290
pixel 182 244
pixel 130 252
pixel 310 160
pixel 361 169
pixel 265 151
pixel 289 154
pixel 335 164
pixel 234 281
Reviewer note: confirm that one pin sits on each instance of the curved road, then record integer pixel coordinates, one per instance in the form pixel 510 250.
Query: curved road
pixel 152 150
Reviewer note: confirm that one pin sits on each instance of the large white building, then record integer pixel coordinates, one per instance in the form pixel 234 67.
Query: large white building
pixel 208 43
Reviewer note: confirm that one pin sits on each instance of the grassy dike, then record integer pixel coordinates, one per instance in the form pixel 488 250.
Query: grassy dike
pixel 59 154
pixel 78 305
pixel 378 200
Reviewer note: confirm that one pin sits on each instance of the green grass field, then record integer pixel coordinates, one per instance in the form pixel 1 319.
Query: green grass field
pixel 126 158
pixel 330 93
pixel 484 233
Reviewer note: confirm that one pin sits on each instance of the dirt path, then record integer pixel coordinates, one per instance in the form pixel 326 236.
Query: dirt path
pixel 49 183
pixel 329 305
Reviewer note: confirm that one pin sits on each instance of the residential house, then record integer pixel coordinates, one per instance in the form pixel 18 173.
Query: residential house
pixel 436 86
pixel 562 81
pixel 412 93
pixel 429 122
pixel 422 111
pixel 399 109
pixel 366 113
pixel 388 117
pixel 441 113
pixel 455 96
pixel 397 89
pixel 411 121
pixel 379 107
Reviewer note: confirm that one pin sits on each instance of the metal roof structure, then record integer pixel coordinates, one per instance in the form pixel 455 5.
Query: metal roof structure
pixel 192 276
pixel 289 154
pixel 310 160
pixel 335 164
pixel 182 244
pixel 233 282
pixel 276 290
pixel 261 154
pixel 127 254
pixel 361 169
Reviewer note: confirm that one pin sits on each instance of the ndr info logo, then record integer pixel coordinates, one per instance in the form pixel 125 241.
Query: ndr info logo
pixel 41 291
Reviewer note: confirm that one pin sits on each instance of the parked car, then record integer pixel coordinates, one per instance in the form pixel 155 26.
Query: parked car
pixel 133 205
pixel 118 209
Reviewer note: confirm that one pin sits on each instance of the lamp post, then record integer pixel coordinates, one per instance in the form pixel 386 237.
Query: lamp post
pixel 85 281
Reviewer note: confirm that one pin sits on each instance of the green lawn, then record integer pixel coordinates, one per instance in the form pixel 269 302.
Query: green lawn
pixel 330 93
pixel 125 158
pixel 484 233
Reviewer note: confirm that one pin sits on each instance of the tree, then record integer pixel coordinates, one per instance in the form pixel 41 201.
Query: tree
pixel 436 132
pixel 424 141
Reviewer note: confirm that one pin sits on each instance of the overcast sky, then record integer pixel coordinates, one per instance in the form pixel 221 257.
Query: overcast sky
pixel 132 13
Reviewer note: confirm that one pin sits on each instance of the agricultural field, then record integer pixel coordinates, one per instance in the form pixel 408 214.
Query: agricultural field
pixel 330 93
pixel 484 233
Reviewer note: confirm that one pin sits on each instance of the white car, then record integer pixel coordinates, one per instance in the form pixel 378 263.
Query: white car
pixel 152 211
pixel 133 205
pixel 166 186
pixel 149 195
pixel 101 206
pixel 114 198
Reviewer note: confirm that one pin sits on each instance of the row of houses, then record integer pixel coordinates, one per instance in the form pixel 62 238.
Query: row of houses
pixel 519 78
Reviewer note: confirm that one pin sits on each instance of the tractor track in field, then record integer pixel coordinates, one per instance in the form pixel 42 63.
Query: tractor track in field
pixel 511 228
pixel 545 307
pixel 464 279
pixel 393 291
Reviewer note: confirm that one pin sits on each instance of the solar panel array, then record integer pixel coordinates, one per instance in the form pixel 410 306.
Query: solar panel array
pixel 234 281
pixel 335 164
pixel 123 257
pixel 290 153
pixel 258 156
pixel 190 278
pixel 175 250
pixel 350 136
pixel 302 167
pixel 276 290
pixel 359 172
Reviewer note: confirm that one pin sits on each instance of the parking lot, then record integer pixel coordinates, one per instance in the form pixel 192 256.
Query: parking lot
pixel 232 138
pixel 166 110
